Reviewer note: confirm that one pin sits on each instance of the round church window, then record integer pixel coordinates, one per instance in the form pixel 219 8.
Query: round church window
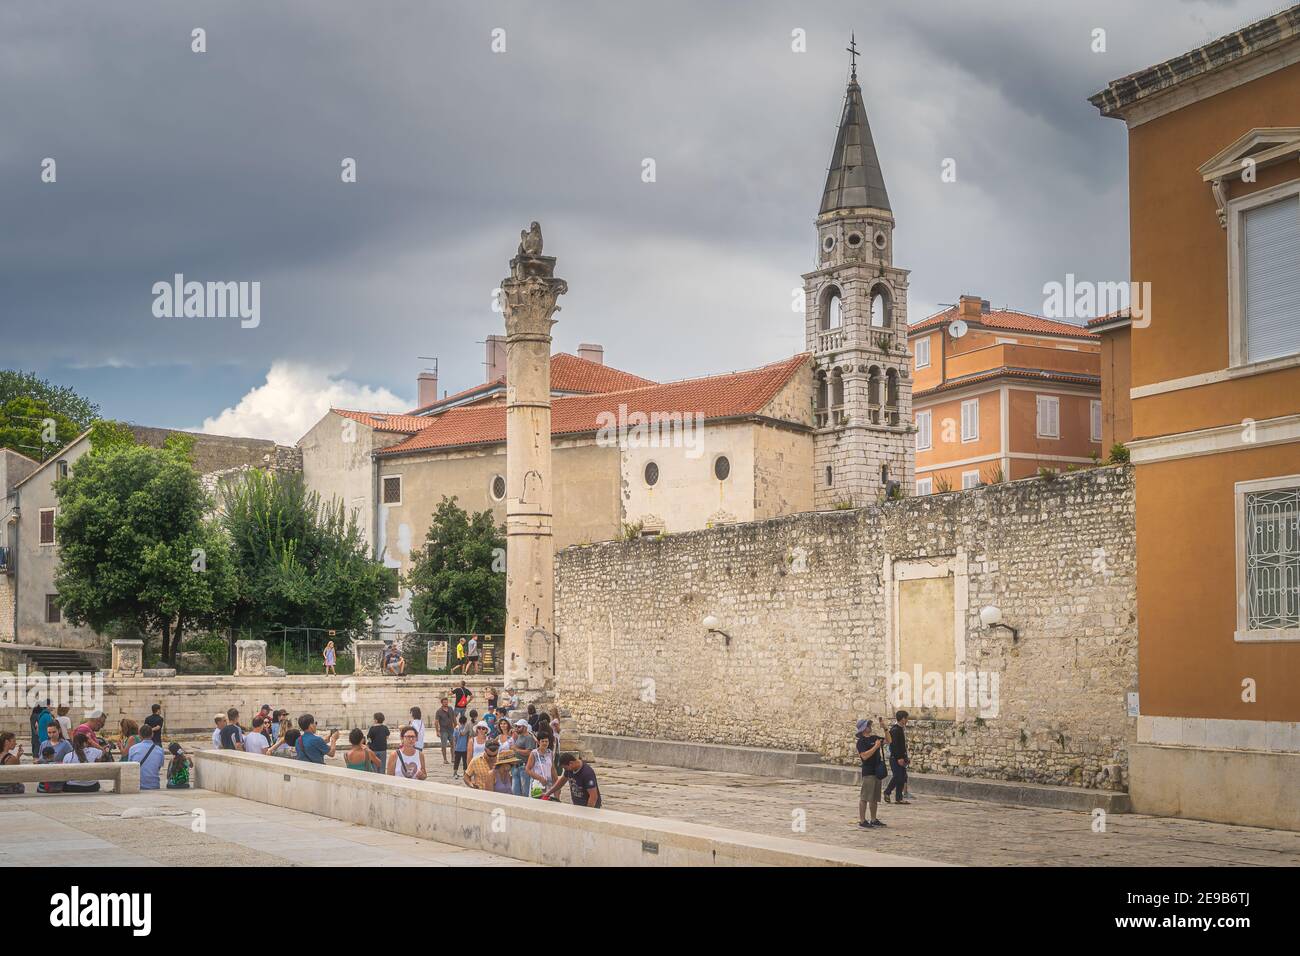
pixel 498 488
pixel 880 240
pixel 721 468
pixel 828 243
pixel 855 240
pixel 651 474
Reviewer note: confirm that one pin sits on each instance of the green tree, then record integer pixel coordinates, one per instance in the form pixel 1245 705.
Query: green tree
pixel 137 554
pixel 32 427
pixel 60 398
pixel 300 562
pixel 458 580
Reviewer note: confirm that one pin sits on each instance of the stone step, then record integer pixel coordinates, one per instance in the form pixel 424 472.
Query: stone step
pixel 1009 792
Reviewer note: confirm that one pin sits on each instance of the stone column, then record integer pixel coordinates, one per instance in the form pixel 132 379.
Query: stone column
pixel 369 657
pixel 128 657
pixel 250 658
pixel 529 300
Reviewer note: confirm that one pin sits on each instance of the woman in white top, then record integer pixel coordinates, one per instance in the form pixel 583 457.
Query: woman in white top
pixel 407 761
pixel 477 745
pixel 82 752
pixel 541 766
pixel 417 722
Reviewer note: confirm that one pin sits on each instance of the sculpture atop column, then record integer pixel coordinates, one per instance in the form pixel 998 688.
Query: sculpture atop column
pixel 529 299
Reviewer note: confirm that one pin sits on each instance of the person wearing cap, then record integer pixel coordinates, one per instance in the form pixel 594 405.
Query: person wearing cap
pixel 525 742
pixel 870 752
pixel 481 772
pixel 94 723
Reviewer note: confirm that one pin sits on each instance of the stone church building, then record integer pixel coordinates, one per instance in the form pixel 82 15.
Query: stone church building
pixel 830 427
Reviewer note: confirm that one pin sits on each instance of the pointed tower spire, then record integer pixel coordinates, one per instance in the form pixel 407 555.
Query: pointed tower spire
pixel 854 180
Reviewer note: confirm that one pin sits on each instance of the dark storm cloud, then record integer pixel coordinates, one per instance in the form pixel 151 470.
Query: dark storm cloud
pixel 225 166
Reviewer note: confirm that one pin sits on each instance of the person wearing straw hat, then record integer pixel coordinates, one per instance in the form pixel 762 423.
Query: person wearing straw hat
pixel 481 772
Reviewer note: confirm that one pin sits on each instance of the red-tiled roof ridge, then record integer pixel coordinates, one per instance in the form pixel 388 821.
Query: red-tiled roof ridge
pixel 1119 315
pixel 569 373
pixel 727 395
pixel 1005 319
pixel 384 421
pixel 1007 371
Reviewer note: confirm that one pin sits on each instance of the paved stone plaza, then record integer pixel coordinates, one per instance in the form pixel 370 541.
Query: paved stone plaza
pixel 154 828
pixel 944 830
pixel 964 832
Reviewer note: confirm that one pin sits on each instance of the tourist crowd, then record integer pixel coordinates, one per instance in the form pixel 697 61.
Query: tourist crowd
pixel 488 750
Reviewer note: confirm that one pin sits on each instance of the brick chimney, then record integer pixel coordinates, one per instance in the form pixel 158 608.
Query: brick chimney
pixel 971 307
pixel 496 358
pixel 592 353
pixel 426 384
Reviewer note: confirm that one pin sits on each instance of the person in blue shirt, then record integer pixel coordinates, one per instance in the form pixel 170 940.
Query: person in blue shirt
pixel 41 720
pixel 148 753
pixel 311 746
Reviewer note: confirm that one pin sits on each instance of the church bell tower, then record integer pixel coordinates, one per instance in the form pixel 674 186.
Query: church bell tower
pixel 856 314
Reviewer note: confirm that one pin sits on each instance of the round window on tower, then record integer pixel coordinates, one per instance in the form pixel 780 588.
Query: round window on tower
pixel 498 489
pixel 651 474
pixel 721 468
pixel 880 240
pixel 855 239
pixel 828 243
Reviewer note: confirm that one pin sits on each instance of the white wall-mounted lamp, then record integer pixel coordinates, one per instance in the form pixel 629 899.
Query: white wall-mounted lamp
pixel 991 616
pixel 713 626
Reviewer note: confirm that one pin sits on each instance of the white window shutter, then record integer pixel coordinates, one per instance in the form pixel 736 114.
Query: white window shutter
pixel 1271 260
pixel 970 419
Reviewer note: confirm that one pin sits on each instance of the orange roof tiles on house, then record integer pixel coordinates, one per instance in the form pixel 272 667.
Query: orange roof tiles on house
pixel 383 421
pixel 1034 374
pixel 1004 320
pixel 569 373
pixel 732 395
pixel 1117 318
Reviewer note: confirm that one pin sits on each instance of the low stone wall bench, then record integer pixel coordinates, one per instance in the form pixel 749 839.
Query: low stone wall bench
pixel 125 776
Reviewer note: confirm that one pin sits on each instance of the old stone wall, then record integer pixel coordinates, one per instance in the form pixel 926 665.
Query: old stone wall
pixel 809 609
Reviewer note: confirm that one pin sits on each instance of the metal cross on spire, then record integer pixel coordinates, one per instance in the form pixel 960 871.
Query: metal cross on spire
pixel 853 54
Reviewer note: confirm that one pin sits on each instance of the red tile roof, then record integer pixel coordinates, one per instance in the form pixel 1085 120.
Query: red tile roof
pixel 1032 374
pixel 1004 320
pixel 716 396
pixel 569 373
pixel 1118 317
pixel 384 421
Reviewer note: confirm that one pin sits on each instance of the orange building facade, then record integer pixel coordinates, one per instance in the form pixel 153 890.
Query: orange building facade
pixel 1214 179
pixel 998 395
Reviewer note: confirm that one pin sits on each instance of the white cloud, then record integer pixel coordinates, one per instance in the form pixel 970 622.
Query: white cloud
pixel 294 398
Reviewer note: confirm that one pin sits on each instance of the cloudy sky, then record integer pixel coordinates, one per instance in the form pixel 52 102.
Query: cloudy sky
pixel 226 166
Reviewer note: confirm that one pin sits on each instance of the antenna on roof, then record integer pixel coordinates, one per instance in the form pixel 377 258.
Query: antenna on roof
pixel 429 358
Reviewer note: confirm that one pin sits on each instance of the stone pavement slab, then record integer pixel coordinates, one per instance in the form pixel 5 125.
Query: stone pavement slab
pixel 156 828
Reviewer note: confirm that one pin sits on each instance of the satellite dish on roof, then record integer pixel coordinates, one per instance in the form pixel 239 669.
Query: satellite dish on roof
pixel 956 328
